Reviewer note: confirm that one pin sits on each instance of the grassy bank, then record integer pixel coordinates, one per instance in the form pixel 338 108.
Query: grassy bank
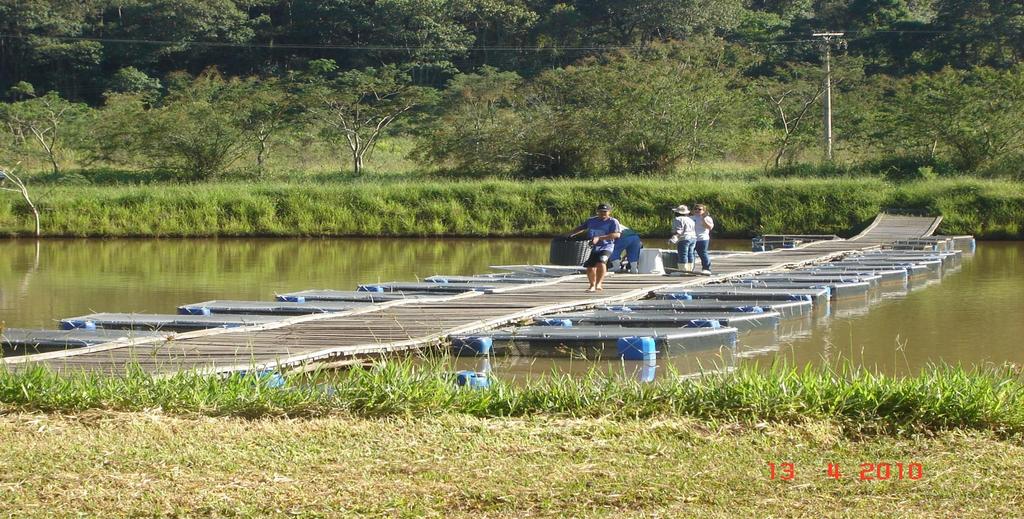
pixel 987 209
pixel 152 464
pixel 861 402
pixel 401 440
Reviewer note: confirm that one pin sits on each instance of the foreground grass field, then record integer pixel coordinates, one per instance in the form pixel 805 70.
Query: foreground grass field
pixel 401 439
pixel 103 463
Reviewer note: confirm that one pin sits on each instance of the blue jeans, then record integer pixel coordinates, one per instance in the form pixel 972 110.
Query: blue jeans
pixel 702 252
pixel 631 244
pixel 686 250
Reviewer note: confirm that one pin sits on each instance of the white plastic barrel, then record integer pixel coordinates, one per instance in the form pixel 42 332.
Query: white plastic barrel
pixel 650 262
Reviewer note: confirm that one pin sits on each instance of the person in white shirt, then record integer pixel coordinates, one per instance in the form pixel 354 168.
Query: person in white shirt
pixel 684 235
pixel 702 226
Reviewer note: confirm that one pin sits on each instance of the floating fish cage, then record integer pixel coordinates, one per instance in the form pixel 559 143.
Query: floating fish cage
pixel 739 320
pixel 769 242
pixel 603 342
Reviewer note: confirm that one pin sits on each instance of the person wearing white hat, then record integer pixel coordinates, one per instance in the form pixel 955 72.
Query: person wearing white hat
pixel 684 236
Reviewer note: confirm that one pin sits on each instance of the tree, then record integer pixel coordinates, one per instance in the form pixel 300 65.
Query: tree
pixel 628 22
pixel 973 117
pixel 44 118
pixel 130 80
pixel 978 32
pixel 792 100
pixel 182 22
pixel 7 175
pixel 677 102
pixel 264 108
pixel 196 131
pixel 634 112
pixel 479 122
pixel 358 106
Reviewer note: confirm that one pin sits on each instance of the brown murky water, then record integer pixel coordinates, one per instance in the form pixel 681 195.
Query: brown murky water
pixel 973 316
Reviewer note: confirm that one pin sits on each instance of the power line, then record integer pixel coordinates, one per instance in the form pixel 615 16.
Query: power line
pixel 299 46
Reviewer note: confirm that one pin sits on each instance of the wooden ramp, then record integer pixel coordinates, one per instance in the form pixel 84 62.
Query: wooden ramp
pixel 344 337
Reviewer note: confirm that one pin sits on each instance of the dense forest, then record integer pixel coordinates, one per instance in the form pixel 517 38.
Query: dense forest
pixel 523 88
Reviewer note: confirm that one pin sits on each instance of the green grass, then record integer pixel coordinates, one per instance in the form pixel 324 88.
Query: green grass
pixel 378 207
pixel 863 402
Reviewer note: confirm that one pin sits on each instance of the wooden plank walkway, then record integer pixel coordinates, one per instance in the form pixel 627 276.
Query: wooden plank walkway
pixel 339 338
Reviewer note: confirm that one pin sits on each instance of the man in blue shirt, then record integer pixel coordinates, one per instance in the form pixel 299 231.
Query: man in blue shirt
pixel 602 230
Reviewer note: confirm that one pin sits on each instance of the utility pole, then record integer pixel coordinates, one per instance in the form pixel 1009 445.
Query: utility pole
pixel 826 39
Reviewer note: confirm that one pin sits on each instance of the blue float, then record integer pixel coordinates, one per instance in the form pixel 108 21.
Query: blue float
pixel 266 377
pixel 750 309
pixel 703 323
pixel 637 348
pixel 678 296
pixel 292 299
pixel 77 324
pixel 370 288
pixel 647 372
pixel 472 379
pixel 472 345
pixel 194 310
pixel 545 321
pixel 828 289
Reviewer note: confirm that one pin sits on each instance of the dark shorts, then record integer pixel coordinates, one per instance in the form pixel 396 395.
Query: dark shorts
pixel 597 257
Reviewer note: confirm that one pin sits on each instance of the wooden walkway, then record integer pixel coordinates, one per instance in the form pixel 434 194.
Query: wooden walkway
pixel 345 337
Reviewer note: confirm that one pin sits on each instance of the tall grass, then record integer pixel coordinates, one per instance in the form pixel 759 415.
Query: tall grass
pixel 940 398
pixel 988 209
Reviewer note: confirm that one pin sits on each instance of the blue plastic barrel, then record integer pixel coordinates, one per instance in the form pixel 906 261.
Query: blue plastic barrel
pixel 472 345
pixel 77 324
pixel 678 296
pixel 546 321
pixel 443 281
pixel 637 348
pixel 472 379
pixel 194 310
pixel 292 299
pixel 750 309
pixel 370 288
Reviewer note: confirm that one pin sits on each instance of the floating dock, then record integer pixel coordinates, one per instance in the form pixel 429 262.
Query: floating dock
pixel 835 289
pixel 725 292
pixel 411 316
pixel 350 295
pixel 172 322
pixel 268 307
pixel 47 339
pixel 740 320
pixel 602 342
pixel 786 309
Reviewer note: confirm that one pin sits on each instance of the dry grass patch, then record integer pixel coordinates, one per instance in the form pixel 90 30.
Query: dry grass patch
pixel 105 463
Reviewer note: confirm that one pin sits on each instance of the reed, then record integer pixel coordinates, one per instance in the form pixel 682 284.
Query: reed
pixel 943 397
pixel 988 209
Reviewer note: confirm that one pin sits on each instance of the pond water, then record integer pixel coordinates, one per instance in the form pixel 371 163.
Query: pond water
pixel 972 316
